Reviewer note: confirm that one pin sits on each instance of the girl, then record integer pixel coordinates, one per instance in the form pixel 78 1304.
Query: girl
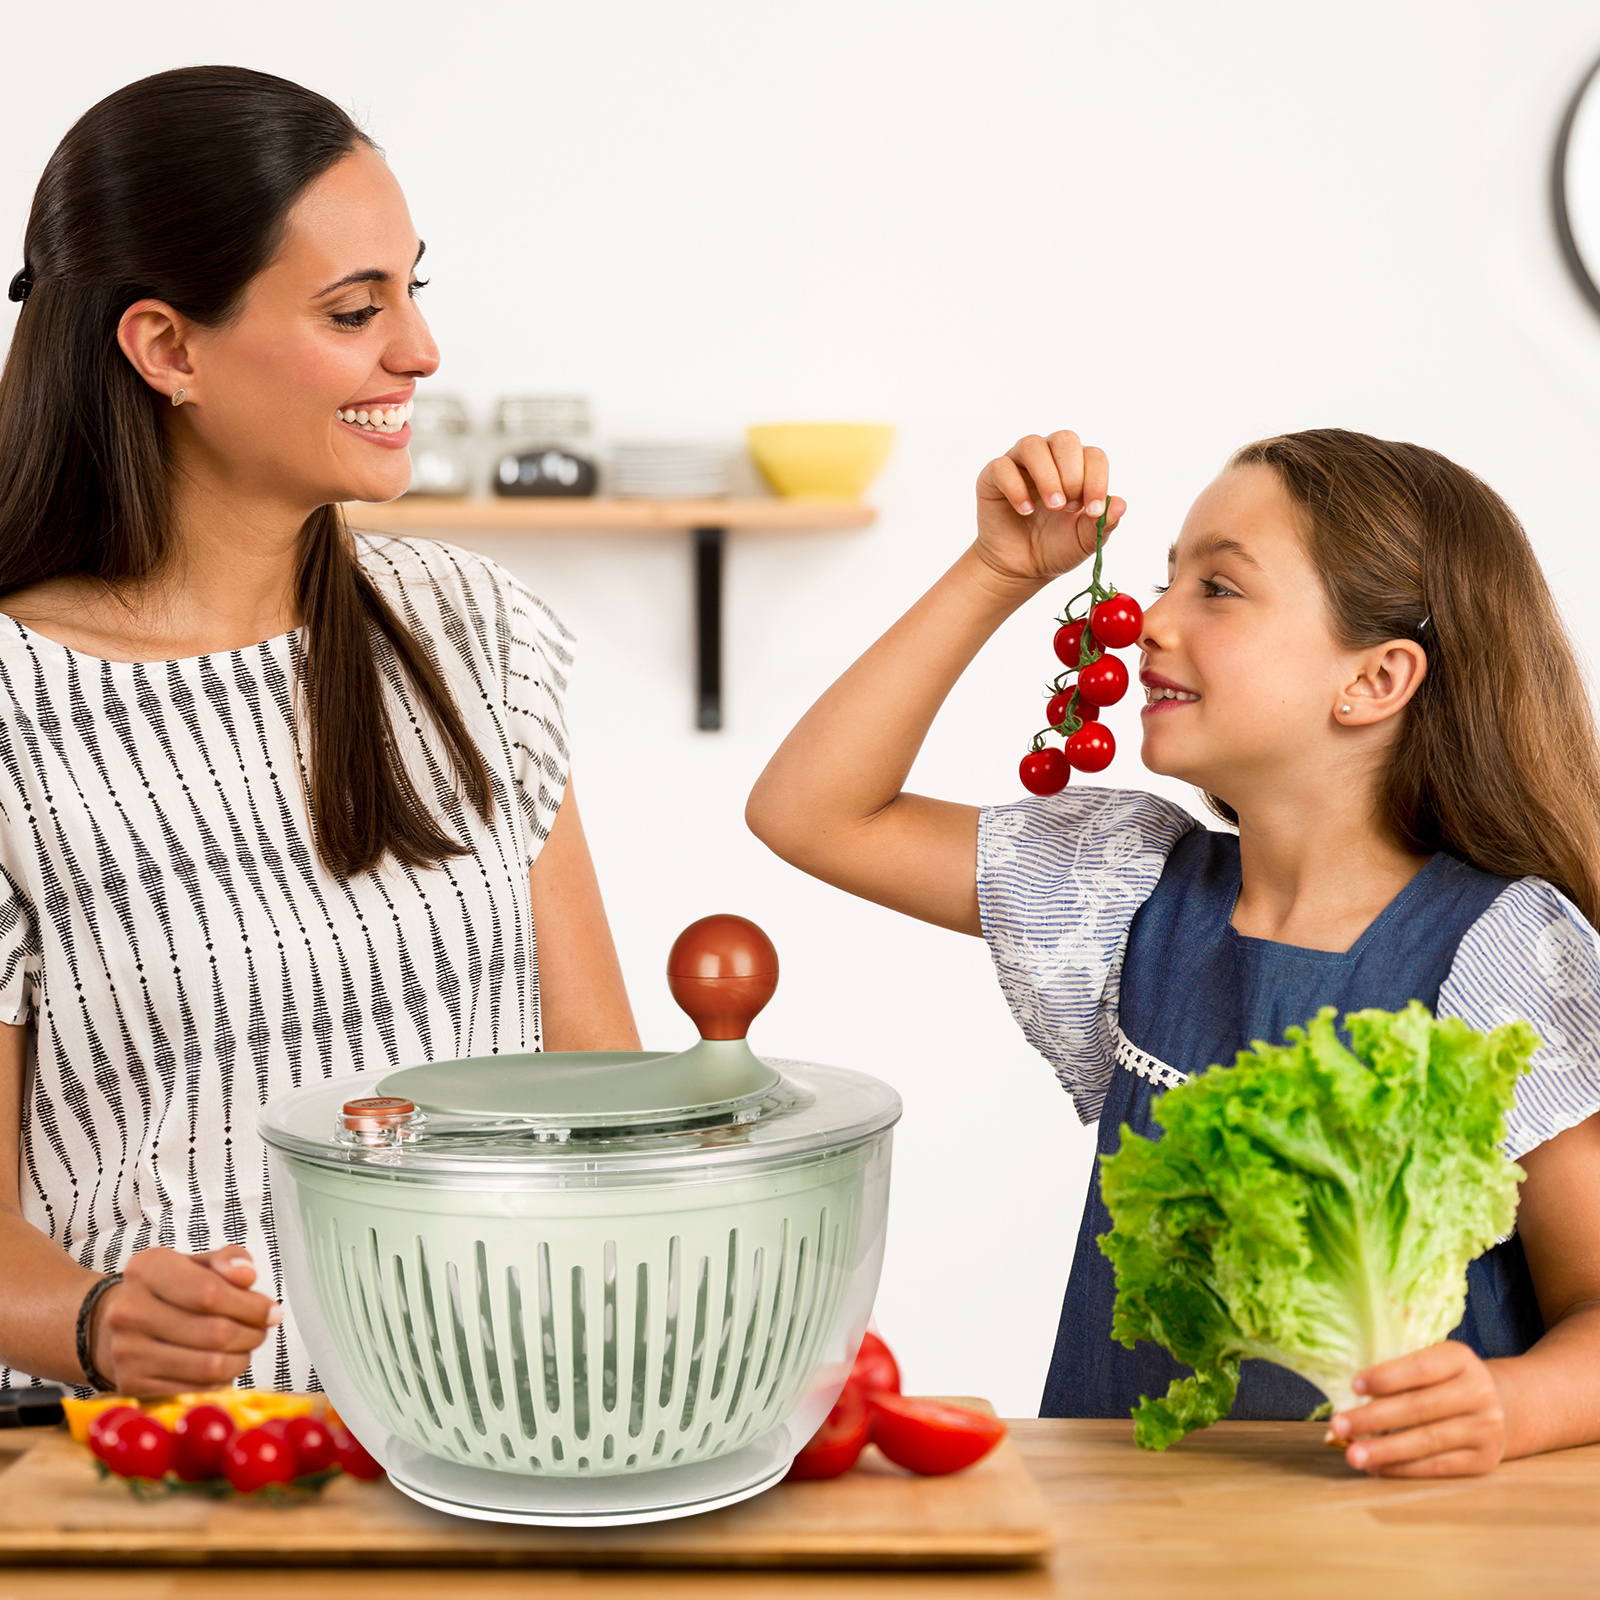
pixel 275 802
pixel 1358 663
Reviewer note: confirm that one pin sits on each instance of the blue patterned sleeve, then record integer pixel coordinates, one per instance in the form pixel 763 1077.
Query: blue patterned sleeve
pixel 1533 956
pixel 1059 880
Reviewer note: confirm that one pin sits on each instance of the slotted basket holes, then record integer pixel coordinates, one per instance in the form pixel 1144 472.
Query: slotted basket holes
pixel 773 1332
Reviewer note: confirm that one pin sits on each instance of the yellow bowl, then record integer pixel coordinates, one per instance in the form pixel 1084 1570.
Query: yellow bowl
pixel 820 460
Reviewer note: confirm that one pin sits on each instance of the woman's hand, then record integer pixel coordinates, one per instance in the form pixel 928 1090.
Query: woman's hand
pixel 1434 1414
pixel 1038 505
pixel 178 1322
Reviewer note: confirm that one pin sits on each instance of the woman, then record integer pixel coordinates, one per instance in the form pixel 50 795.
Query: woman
pixel 278 802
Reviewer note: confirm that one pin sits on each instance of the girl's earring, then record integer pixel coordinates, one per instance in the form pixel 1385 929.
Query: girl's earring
pixel 177 396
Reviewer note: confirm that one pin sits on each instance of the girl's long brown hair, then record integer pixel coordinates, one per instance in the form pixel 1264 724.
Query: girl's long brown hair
pixel 1496 760
pixel 177 188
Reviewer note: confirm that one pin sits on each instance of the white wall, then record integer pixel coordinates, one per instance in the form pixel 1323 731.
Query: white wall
pixel 1172 227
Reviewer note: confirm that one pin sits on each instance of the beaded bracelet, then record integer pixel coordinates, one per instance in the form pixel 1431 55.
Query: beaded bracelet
pixel 91 1372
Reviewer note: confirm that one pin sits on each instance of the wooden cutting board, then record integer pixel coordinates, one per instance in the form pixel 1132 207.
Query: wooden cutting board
pixel 56 1510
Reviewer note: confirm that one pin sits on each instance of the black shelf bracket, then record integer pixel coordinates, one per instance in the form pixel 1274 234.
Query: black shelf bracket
pixel 709 545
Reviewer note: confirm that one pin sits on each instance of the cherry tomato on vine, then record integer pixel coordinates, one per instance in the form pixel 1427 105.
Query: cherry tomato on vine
pixel 255 1458
pixel 1069 643
pixel 1117 621
pixel 103 1429
pixel 925 1436
pixel 1056 712
pixel 1104 681
pixel 835 1446
pixel 199 1438
pixel 876 1369
pixel 313 1446
pixel 1091 748
pixel 140 1448
pixel 1044 771
pixel 354 1456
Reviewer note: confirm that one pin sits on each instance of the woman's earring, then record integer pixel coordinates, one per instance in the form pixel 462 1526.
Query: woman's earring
pixel 177 396
pixel 1344 709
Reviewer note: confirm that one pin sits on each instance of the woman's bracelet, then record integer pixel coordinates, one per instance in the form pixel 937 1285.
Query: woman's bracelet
pixel 96 1378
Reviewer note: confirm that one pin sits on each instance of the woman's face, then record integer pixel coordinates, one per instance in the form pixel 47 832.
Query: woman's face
pixel 330 328
pixel 1242 634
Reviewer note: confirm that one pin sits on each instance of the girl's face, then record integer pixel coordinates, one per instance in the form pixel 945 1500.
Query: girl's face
pixel 1242 673
pixel 328 329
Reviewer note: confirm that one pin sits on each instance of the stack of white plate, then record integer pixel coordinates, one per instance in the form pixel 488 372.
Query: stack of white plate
pixel 661 469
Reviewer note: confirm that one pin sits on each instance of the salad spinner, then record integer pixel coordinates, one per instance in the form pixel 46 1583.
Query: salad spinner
pixel 595 1287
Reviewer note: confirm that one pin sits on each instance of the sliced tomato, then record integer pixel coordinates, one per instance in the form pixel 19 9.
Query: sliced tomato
pixel 834 1447
pixel 931 1438
pixel 876 1369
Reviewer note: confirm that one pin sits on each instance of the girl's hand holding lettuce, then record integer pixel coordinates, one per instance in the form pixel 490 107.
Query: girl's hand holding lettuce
pixel 1317 1208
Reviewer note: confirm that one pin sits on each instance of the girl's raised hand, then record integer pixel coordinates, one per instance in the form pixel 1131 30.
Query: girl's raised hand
pixel 1038 505
pixel 1434 1414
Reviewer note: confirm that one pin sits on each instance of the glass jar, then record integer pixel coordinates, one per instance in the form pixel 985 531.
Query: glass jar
pixel 441 446
pixel 542 447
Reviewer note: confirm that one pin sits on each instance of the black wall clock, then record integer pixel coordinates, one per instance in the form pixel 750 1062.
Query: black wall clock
pixel 1575 185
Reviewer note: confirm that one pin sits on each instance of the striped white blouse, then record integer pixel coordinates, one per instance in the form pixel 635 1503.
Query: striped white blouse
pixel 1059 881
pixel 182 955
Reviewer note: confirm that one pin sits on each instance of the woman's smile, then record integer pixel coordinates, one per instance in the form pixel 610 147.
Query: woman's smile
pixel 385 420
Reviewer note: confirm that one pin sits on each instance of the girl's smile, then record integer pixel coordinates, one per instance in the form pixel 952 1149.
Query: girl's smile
pixel 1162 694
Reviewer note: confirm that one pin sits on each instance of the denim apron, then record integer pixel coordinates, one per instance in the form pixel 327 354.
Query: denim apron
pixel 1196 992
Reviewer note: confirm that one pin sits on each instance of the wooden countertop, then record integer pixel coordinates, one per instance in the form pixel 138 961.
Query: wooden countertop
pixel 1246 1511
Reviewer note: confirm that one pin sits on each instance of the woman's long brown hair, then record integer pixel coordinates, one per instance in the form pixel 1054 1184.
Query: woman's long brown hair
pixel 1496 760
pixel 177 188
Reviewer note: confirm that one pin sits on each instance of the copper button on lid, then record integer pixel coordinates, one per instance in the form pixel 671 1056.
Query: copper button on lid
pixel 376 1113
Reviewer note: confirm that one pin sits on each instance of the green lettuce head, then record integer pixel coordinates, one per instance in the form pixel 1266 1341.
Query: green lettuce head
pixel 1312 1205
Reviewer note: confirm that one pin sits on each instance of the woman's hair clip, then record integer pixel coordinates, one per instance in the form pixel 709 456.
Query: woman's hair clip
pixel 21 286
pixel 1422 627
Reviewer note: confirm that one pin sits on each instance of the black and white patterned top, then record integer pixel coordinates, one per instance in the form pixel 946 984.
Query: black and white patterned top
pixel 182 954
pixel 1059 882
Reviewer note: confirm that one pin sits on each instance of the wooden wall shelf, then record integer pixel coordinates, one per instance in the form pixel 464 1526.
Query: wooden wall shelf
pixel 709 521
pixel 438 514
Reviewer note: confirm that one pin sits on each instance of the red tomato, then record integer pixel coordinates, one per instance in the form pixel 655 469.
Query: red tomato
pixel 140 1448
pixel 256 1458
pixel 199 1438
pixel 876 1369
pixel 313 1446
pixel 1069 643
pixel 1091 748
pixel 1117 622
pixel 924 1436
pixel 834 1447
pixel 1103 681
pixel 103 1429
pixel 1044 771
pixel 1056 712
pixel 353 1455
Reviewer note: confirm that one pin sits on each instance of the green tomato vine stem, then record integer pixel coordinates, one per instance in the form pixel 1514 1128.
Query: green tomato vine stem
pixel 1087 649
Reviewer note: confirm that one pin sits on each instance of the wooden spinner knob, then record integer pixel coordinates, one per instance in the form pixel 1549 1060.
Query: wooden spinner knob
pixel 722 971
